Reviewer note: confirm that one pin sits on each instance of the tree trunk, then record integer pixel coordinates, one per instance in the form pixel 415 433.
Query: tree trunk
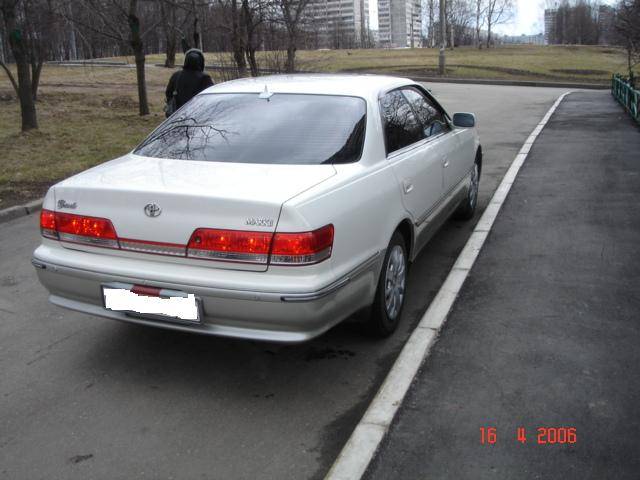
pixel 238 57
pixel 27 105
pixel 488 35
pixel 477 36
pixel 290 65
pixel 170 37
pixel 453 43
pixel 443 39
pixel 237 41
pixel 73 47
pixel 138 50
pixel 253 63
pixel 432 36
pixel 249 28
pixel 172 45
pixel 18 48
pixel 36 69
pixel 142 86
pixel 197 38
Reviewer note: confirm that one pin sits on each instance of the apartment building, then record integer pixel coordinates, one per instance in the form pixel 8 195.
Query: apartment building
pixel 550 16
pixel 399 23
pixel 340 23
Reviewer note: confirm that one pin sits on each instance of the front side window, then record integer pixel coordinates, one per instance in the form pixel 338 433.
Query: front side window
pixel 401 127
pixel 245 128
pixel 432 119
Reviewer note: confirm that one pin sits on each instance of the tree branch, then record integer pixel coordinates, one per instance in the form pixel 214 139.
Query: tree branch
pixel 11 78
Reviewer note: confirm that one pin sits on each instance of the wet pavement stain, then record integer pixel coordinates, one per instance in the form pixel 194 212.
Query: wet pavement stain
pixel 80 458
pixel 328 354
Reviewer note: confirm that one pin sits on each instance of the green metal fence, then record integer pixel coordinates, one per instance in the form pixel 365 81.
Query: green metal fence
pixel 626 95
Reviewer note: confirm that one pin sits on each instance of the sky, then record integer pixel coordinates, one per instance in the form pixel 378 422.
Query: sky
pixel 528 18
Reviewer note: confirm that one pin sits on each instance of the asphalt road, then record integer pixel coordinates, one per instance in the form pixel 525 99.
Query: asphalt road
pixel 545 331
pixel 87 398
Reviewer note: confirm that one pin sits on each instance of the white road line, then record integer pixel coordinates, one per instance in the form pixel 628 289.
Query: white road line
pixel 361 447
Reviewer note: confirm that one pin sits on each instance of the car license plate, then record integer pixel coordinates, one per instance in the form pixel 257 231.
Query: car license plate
pixel 150 302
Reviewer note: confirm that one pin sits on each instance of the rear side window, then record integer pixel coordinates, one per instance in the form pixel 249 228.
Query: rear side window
pixel 244 128
pixel 432 120
pixel 401 127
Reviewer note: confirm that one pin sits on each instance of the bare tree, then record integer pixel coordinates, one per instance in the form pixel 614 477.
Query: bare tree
pixel 498 12
pixel 481 9
pixel 627 26
pixel 137 46
pixel 119 20
pixel 253 15
pixel 27 23
pixel 231 24
pixel 459 20
pixel 431 37
pixel 238 39
pixel 291 13
pixel 443 39
pixel 173 19
pixel 197 36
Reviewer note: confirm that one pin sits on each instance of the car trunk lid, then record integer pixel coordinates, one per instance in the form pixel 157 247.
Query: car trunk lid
pixel 165 201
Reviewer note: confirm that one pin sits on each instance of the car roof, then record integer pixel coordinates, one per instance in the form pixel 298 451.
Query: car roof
pixel 326 84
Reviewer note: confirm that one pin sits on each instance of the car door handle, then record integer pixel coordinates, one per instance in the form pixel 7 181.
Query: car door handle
pixel 445 163
pixel 407 187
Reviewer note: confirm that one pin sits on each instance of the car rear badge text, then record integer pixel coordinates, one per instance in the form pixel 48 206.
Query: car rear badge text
pixel 64 204
pixel 259 222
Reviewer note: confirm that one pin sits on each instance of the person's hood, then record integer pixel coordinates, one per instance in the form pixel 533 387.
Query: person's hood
pixel 194 60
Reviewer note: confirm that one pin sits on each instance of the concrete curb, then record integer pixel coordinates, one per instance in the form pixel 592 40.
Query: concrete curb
pixel 20 210
pixel 514 83
pixel 364 442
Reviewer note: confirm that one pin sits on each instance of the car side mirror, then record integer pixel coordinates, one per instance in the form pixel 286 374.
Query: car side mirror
pixel 464 120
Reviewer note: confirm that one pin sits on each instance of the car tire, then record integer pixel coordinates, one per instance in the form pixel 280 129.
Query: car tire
pixel 386 310
pixel 467 208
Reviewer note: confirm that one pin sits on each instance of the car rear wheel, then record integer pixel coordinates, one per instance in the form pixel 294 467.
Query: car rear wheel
pixel 387 306
pixel 467 208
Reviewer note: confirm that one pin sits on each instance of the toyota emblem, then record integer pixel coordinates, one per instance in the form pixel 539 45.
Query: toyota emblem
pixel 152 210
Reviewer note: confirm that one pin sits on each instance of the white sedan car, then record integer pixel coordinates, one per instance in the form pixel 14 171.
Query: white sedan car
pixel 269 208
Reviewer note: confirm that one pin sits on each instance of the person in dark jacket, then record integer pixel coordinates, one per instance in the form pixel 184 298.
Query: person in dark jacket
pixel 189 81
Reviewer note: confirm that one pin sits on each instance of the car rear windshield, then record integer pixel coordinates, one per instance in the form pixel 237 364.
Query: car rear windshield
pixel 262 128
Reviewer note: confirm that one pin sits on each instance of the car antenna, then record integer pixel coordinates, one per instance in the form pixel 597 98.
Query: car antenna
pixel 266 94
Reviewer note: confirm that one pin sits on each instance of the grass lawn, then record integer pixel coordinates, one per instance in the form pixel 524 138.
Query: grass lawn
pixel 583 64
pixel 524 62
pixel 88 114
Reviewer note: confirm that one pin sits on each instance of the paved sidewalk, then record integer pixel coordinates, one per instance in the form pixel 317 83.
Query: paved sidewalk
pixel 546 332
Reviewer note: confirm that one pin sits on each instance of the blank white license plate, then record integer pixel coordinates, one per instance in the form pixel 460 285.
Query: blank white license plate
pixel 170 305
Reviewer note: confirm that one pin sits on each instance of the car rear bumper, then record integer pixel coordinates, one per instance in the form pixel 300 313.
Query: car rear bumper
pixel 279 316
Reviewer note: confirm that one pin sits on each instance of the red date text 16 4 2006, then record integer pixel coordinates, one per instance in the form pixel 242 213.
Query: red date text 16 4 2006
pixel 543 436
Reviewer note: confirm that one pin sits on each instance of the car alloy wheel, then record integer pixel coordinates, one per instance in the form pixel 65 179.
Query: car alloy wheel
pixel 394 282
pixel 473 188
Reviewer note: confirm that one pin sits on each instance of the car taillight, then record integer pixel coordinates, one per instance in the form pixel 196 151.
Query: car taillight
pixel 78 228
pixel 48 224
pixel 302 248
pixel 230 245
